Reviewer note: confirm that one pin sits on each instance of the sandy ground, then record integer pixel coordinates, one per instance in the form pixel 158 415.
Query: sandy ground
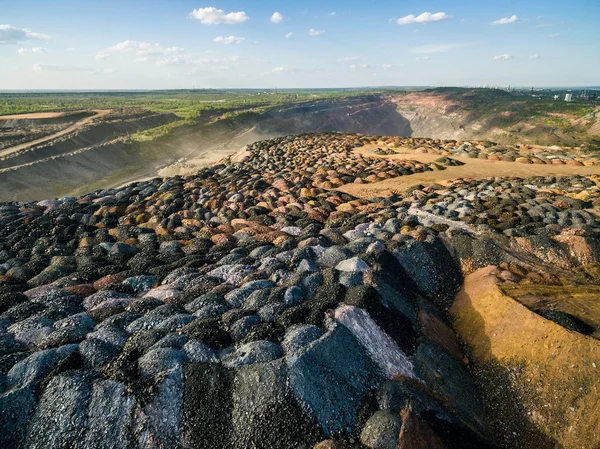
pixel 211 155
pixel 74 127
pixel 473 168
pixel 32 116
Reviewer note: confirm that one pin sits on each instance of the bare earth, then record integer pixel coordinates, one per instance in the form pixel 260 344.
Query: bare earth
pixel 473 168
pixel 32 116
pixel 70 129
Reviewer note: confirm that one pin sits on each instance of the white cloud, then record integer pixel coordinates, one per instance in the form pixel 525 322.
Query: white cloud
pixel 426 17
pixel 72 68
pixel 333 13
pixel 503 57
pixel 12 35
pixel 287 36
pixel 313 32
pixel 279 69
pixel 437 48
pixel 422 58
pixel 360 66
pixel 386 66
pixel 33 50
pixel 535 56
pixel 214 16
pixel 229 40
pixel 60 68
pixel 543 25
pixel 348 58
pixel 143 51
pixel 176 60
pixel 554 35
pixel 276 17
pixel 69 49
pixel 505 20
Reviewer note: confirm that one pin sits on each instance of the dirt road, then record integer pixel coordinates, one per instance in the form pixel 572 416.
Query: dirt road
pixel 32 116
pixel 78 125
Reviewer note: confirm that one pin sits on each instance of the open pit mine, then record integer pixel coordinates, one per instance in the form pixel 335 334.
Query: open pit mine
pixel 327 290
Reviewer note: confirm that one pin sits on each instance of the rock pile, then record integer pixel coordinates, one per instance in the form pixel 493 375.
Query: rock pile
pixel 250 305
pixel 525 154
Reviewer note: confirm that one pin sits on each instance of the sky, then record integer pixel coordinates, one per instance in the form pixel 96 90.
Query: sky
pixel 180 44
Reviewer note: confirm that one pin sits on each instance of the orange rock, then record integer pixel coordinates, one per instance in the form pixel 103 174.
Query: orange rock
pixel 345 207
pixel 142 218
pixel 88 241
pixel 191 222
pixel 161 230
pixel 226 228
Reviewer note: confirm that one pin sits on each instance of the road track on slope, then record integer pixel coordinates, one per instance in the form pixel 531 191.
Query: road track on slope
pixel 74 127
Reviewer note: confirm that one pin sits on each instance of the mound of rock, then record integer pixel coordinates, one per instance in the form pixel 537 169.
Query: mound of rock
pixel 253 305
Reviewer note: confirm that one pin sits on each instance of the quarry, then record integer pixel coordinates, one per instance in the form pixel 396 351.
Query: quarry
pixel 366 271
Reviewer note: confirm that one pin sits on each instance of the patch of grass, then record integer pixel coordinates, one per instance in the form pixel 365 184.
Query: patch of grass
pixel 184 103
pixel 159 131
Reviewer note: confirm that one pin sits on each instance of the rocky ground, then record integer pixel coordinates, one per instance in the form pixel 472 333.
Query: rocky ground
pixel 253 305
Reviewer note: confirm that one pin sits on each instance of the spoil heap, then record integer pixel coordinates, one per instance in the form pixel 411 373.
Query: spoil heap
pixel 252 305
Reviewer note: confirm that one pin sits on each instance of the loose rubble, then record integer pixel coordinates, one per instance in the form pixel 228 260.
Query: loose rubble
pixel 253 305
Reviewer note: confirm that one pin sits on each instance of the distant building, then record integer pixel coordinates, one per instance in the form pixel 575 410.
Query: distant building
pixel 569 97
pixel 556 97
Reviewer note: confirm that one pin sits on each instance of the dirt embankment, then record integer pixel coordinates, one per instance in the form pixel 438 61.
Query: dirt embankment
pixel 427 114
pixel 72 165
pixel 492 115
pixel 540 379
pixel 86 119
pixel 80 136
pixel 433 116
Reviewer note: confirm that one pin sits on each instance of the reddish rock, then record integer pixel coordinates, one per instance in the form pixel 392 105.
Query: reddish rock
pixel 416 434
pixel 83 290
pixel 222 239
pixel 104 282
pixel 440 333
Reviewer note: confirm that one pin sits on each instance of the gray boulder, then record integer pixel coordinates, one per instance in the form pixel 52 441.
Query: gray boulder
pixel 109 417
pixel 330 378
pixel 61 417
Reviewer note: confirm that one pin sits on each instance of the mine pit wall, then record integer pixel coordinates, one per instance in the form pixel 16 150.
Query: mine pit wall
pixel 72 162
pixel 67 118
pixel 365 115
pixel 92 135
pixel 53 176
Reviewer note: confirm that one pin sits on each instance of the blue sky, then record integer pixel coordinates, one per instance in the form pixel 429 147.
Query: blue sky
pixel 94 44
